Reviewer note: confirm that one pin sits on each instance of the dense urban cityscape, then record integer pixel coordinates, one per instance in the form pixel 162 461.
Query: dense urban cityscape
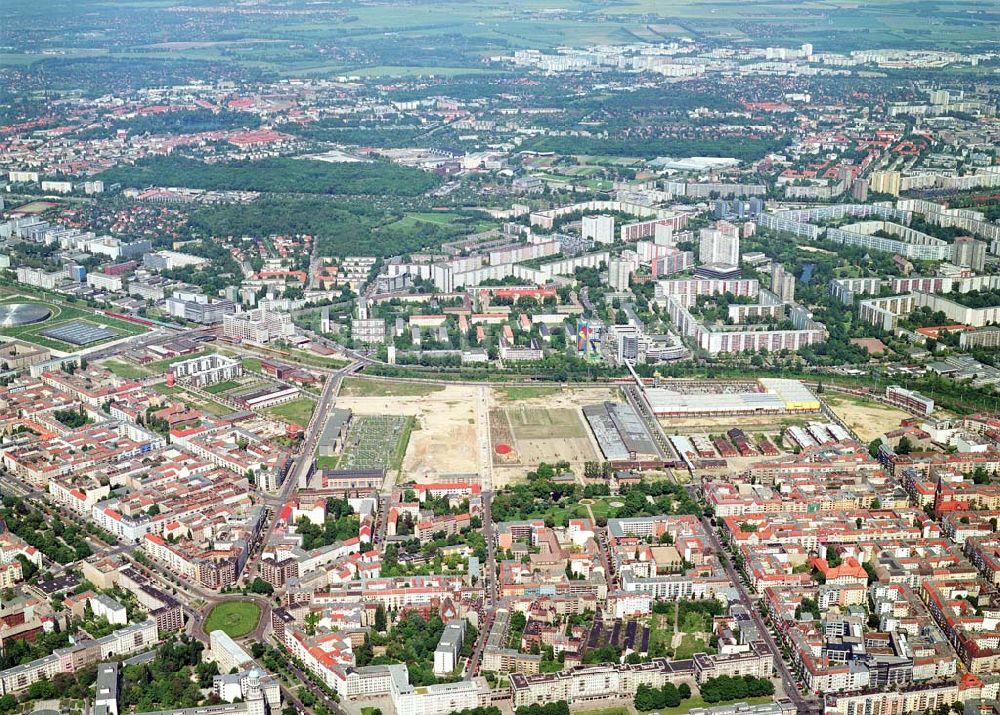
pixel 621 357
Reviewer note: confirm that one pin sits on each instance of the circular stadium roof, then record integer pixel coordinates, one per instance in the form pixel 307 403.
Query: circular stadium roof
pixel 14 315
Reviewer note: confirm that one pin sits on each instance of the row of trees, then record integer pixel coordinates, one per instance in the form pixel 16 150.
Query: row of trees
pixel 560 707
pixel 727 687
pixel 669 696
pixel 744 148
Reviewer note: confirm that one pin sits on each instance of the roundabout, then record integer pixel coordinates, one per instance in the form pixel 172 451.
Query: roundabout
pixel 236 618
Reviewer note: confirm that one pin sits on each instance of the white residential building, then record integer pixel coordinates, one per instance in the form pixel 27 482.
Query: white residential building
pixel 258 326
pixel 600 228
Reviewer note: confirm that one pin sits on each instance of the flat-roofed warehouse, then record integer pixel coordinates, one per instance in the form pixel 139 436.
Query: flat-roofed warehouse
pixel 331 441
pixel 620 432
pixel 763 396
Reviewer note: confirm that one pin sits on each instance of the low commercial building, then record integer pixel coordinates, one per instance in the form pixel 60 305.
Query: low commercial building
pixel 227 653
pixel 331 441
pixel 199 308
pixel 17 355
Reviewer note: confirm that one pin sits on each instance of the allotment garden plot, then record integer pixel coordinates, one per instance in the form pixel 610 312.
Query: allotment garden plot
pixel 376 441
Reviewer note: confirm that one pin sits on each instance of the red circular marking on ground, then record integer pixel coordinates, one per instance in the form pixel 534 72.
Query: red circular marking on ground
pixel 502 448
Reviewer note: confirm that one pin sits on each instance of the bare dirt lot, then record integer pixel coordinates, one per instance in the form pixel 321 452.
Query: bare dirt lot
pixel 868 419
pixel 458 426
pixel 445 437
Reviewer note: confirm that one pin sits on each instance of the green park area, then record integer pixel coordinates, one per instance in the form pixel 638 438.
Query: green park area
pixel 298 411
pixel 526 392
pixel 236 618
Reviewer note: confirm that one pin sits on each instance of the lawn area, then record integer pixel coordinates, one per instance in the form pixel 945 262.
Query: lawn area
pixel 695 622
pixel 326 462
pixel 251 364
pixel 602 506
pixel 661 631
pixel 236 618
pixel 210 406
pixel 298 411
pixel 195 402
pixel 604 711
pixel 410 220
pixel 165 389
pixel 124 370
pixel 691 645
pixel 512 394
pixel 360 387
pixel 221 387
pixel 695 701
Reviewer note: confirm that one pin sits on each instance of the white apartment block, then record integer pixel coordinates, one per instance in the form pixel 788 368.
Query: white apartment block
pixel 442 698
pixel 687 290
pixel 207 369
pixel 717 246
pixel 39 278
pixel 227 653
pixel 600 228
pixel 101 281
pixel 258 326
pixel 370 331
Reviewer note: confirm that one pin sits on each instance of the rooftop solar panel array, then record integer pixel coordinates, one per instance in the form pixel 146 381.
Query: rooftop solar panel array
pixel 78 332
